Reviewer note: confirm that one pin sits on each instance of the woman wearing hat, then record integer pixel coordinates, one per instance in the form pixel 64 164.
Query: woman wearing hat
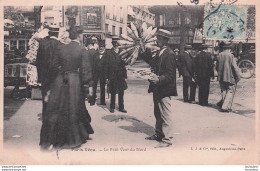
pixel 67 122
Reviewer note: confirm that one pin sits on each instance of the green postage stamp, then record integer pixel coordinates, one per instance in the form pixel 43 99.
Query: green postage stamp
pixel 226 22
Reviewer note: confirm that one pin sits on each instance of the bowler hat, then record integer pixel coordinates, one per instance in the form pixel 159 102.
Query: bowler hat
pixel 163 33
pixel 227 45
pixel 115 38
pixel 203 46
pixel 188 47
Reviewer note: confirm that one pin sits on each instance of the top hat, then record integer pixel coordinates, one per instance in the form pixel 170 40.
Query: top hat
pixel 53 28
pixel 163 33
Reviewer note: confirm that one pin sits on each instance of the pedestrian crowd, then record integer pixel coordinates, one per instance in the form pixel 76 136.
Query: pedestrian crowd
pixel 69 73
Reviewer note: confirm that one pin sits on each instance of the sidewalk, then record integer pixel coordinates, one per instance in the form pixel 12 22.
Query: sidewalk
pixel 195 127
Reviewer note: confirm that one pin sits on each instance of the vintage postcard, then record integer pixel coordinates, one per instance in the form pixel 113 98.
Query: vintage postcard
pixel 130 82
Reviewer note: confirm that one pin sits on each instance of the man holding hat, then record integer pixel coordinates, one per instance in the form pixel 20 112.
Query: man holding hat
pixel 116 74
pixel 163 87
pixel 228 76
pixel 204 71
pixel 99 72
pixel 187 65
pixel 45 59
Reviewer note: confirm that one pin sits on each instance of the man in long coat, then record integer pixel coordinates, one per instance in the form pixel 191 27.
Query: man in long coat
pixel 45 58
pixel 163 87
pixel 116 74
pixel 92 55
pixel 228 76
pixel 187 66
pixel 204 71
pixel 99 72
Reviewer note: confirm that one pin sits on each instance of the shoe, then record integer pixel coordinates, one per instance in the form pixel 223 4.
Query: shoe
pixel 123 110
pixel 163 145
pixel 112 110
pixel 186 101
pixel 220 103
pixel 103 103
pixel 192 102
pixel 154 137
pixel 92 103
pixel 49 148
pixel 225 110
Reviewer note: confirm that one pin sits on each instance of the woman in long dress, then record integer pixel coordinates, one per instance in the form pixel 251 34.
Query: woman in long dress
pixel 67 121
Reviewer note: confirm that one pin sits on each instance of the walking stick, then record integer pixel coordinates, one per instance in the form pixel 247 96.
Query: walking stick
pixel 233 95
pixel 108 89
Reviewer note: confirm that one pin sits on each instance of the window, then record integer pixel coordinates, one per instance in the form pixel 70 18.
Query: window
pixel 120 31
pixel 162 20
pixel 113 30
pixel 187 19
pixel 21 44
pixel 121 15
pixel 13 44
pixel 49 8
pixel 106 28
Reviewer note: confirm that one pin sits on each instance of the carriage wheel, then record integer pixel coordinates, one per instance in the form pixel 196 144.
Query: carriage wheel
pixel 247 68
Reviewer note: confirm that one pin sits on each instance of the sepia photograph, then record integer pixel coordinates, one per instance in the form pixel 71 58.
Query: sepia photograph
pixel 121 83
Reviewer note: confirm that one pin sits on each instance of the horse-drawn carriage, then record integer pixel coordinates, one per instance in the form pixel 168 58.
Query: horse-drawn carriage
pixel 246 59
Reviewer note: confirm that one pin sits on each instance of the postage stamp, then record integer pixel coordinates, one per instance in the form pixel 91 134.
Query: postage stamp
pixel 225 22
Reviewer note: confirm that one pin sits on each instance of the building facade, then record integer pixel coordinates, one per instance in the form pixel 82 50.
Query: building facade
pixel 140 14
pixel 182 22
pixel 52 15
pixel 102 22
pixel 186 24
pixel 16 36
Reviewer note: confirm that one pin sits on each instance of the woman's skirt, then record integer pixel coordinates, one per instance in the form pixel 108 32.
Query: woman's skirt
pixel 66 122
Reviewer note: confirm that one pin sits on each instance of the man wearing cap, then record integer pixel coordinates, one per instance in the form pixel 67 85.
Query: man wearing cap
pixel 116 74
pixel 92 54
pixel 204 71
pixel 45 59
pixel 228 76
pixel 99 72
pixel 187 66
pixel 163 87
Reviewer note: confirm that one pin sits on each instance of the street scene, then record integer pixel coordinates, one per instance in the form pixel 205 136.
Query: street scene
pixel 129 85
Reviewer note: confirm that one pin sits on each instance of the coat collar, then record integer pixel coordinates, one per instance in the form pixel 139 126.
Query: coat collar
pixel 166 51
pixel 75 41
pixel 113 52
